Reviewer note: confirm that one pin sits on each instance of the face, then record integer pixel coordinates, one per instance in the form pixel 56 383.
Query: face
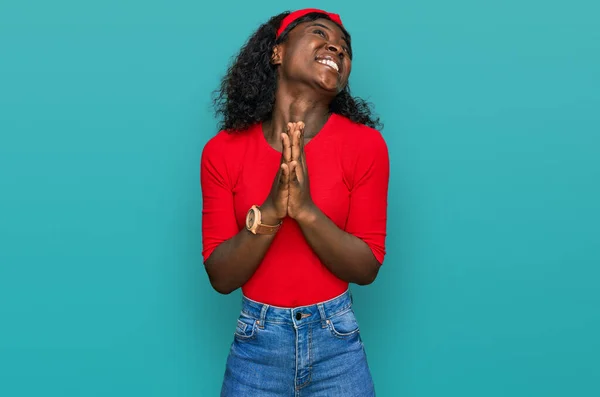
pixel 316 52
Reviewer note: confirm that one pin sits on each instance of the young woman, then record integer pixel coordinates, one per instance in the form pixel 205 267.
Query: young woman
pixel 294 209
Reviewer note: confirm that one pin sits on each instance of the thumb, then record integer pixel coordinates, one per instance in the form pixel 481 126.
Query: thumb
pixel 294 171
pixel 285 174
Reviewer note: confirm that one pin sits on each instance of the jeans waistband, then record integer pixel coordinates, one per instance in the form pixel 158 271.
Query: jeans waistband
pixel 297 315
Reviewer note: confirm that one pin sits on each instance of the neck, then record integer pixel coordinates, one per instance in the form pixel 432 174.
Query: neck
pixel 296 105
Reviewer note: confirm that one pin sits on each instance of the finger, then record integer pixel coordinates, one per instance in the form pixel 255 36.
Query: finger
pixel 286 152
pixel 302 155
pixel 299 174
pixel 290 130
pixel 285 174
pixel 295 143
pixel 300 127
pixel 300 132
pixel 293 176
pixel 300 135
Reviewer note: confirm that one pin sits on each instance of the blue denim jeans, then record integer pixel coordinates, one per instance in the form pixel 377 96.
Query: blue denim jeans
pixel 304 351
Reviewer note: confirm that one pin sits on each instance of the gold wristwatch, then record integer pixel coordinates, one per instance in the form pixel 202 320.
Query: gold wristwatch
pixel 254 224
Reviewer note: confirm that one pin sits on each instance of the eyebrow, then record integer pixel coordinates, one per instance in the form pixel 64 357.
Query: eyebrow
pixel 325 27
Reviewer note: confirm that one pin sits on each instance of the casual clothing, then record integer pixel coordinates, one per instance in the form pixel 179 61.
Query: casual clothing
pixel 348 168
pixel 297 335
pixel 312 351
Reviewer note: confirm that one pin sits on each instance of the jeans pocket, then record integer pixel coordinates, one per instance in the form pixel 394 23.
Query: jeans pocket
pixel 343 325
pixel 246 327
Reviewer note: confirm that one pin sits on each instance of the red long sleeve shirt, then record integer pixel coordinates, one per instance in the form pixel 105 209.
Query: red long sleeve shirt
pixel 348 167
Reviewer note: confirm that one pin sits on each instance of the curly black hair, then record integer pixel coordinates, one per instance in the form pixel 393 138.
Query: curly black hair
pixel 246 94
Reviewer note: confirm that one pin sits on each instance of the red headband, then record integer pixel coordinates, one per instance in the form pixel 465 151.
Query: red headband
pixel 300 13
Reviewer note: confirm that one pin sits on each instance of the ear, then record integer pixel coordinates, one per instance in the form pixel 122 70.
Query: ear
pixel 276 55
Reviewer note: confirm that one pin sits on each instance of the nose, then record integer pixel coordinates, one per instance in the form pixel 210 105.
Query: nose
pixel 333 48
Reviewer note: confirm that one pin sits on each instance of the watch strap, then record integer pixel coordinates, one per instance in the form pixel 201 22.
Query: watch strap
pixel 267 229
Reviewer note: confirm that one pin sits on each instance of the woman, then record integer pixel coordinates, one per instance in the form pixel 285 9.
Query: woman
pixel 294 209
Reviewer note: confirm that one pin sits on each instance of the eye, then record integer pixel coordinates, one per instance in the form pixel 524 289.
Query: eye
pixel 347 51
pixel 319 32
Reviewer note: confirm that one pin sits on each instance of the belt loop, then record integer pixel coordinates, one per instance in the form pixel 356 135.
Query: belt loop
pixel 263 314
pixel 322 313
pixel 351 298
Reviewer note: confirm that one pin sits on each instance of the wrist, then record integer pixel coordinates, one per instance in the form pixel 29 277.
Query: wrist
pixel 307 215
pixel 268 215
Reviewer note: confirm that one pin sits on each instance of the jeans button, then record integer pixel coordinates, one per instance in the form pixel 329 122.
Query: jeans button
pixel 298 316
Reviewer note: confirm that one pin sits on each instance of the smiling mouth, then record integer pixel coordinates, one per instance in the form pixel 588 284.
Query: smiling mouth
pixel 329 63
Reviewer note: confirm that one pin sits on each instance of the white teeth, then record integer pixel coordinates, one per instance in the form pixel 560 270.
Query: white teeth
pixel 329 62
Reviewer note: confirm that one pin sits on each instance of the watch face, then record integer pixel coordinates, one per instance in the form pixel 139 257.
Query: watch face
pixel 251 218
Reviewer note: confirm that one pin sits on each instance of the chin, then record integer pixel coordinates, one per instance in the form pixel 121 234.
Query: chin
pixel 330 86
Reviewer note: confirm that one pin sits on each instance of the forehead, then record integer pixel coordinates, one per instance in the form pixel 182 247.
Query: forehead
pixel 326 23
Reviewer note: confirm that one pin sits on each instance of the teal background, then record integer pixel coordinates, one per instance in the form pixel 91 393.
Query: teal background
pixel 492 117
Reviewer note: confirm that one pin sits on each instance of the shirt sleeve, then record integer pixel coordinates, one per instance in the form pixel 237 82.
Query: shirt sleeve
pixel 367 216
pixel 218 215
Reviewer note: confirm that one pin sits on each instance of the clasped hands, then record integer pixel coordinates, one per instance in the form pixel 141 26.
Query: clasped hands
pixel 290 192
